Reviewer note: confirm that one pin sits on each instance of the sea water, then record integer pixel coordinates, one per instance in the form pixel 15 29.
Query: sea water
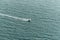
pixel 45 20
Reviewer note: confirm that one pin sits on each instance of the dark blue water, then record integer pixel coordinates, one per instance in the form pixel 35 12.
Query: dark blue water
pixel 45 23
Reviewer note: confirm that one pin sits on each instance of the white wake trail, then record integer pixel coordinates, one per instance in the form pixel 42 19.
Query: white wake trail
pixel 23 19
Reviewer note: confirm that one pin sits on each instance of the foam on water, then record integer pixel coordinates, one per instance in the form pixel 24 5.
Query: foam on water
pixel 23 19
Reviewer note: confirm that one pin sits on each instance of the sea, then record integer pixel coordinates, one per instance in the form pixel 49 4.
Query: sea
pixel 44 24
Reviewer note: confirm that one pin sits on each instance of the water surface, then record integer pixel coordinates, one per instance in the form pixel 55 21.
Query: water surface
pixel 45 24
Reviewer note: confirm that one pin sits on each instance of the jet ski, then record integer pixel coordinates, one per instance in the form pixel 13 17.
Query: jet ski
pixel 29 20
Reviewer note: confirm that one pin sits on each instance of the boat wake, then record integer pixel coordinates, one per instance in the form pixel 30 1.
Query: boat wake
pixel 18 18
